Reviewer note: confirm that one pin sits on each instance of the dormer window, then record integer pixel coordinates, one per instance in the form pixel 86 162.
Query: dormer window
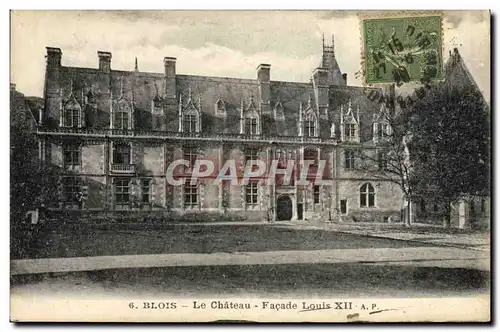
pixel 249 119
pixel 308 121
pixel 72 114
pixel 350 131
pixel 220 107
pixel 278 110
pixel 121 120
pixel 349 124
pixel 91 99
pixel 190 123
pixel 309 128
pixel 72 117
pixel 189 115
pixel 381 127
pixel 252 126
pixel 123 111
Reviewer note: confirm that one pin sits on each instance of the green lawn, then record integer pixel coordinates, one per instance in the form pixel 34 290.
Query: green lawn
pixel 94 241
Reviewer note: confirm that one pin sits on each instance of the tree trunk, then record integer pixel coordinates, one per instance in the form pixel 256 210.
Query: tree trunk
pixel 447 215
pixel 408 215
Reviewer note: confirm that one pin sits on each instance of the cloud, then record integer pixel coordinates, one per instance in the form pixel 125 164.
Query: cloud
pixel 222 43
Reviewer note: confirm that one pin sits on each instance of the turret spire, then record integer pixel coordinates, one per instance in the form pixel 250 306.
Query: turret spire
pixel 122 88
pixel 136 68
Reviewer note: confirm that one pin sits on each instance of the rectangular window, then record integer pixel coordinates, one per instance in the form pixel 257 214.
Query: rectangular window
pixel 281 157
pixel 350 131
pixel 382 161
pixel 350 159
pixel 309 128
pixel 121 120
pixel 190 123
pixel 190 194
pixel 383 130
pixel 121 154
pixel 251 126
pixel 316 194
pixel 252 193
pixel 472 207
pixel 483 206
pixel 311 154
pixel 343 206
pixel 72 118
pixel 72 191
pixel 190 154
pixel 72 154
pixel 146 191
pixel 122 192
pixel 251 154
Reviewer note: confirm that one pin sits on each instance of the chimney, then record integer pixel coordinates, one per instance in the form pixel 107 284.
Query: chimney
pixel 264 82
pixel 169 64
pixel 54 55
pixel 344 76
pixel 104 61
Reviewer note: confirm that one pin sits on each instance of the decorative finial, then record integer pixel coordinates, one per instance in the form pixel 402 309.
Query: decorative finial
pixel 333 41
pixel 136 68
pixel 323 39
pixel 309 101
pixel 189 93
pixel 251 98
pixel 122 89
pixel 156 88
pixel 71 86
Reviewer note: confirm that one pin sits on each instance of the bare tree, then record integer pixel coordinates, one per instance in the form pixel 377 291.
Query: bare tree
pixel 387 156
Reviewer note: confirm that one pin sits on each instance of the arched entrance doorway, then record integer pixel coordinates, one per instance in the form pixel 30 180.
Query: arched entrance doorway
pixel 284 210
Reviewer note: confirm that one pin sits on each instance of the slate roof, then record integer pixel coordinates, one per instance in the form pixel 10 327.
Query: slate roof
pixel 142 88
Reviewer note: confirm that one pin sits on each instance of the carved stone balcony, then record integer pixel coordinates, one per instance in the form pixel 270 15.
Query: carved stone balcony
pixel 122 168
pixel 166 135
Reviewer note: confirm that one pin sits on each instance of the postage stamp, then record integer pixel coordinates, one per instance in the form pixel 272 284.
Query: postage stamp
pixel 402 49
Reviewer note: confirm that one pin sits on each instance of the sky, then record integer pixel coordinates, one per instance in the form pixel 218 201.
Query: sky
pixel 224 43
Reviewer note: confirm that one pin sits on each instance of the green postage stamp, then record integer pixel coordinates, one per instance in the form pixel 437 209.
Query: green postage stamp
pixel 402 49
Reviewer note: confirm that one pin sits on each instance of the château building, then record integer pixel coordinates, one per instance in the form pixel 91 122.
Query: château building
pixel 111 135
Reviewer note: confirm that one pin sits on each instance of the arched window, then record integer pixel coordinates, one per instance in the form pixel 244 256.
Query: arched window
pixel 367 195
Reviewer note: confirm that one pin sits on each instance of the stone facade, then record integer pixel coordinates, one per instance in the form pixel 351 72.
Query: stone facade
pixel 111 136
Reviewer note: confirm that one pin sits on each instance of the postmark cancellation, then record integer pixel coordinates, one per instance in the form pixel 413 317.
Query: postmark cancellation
pixel 399 48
